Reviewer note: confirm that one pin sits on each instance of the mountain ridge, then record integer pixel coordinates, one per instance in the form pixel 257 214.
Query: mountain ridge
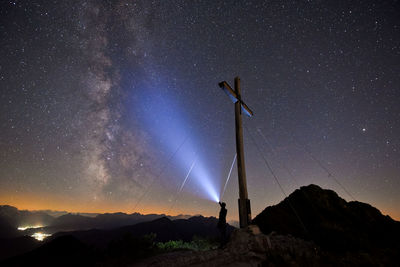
pixel 333 223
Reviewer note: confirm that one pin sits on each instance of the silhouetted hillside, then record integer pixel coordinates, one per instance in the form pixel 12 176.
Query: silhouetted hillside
pixel 164 228
pixel 14 246
pixel 120 245
pixel 330 221
pixel 182 229
pixel 63 251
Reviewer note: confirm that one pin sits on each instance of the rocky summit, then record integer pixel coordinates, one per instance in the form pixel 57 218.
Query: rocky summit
pixel 317 214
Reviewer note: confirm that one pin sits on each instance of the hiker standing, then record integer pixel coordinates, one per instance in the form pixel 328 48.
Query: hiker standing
pixel 222 221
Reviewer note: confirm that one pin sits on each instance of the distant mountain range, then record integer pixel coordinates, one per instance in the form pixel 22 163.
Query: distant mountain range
pixel 11 218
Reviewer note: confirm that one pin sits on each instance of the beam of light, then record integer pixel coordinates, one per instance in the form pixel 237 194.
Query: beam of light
pixel 187 175
pixel 169 124
pixel 212 193
pixel 204 181
pixel 40 236
pixel 229 176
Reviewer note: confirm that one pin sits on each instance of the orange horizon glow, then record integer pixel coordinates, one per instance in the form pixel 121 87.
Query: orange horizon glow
pixel 33 202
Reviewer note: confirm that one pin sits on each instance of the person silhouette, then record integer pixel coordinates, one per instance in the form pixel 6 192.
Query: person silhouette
pixel 222 222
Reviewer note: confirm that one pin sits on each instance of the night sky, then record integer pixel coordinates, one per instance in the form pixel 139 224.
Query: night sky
pixel 106 106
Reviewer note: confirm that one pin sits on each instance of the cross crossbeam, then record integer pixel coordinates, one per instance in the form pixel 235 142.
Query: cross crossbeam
pixel 234 97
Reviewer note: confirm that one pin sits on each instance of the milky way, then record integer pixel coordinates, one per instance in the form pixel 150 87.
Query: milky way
pixel 97 95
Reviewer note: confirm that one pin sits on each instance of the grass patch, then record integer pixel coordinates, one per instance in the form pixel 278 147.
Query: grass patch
pixel 197 244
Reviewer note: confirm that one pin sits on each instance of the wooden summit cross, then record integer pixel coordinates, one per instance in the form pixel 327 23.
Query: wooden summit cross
pixel 244 202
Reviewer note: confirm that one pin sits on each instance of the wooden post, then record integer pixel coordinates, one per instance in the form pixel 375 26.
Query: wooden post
pixel 240 106
pixel 244 202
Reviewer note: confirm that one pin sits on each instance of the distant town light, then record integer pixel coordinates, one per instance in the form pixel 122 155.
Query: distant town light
pixel 23 228
pixel 40 236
